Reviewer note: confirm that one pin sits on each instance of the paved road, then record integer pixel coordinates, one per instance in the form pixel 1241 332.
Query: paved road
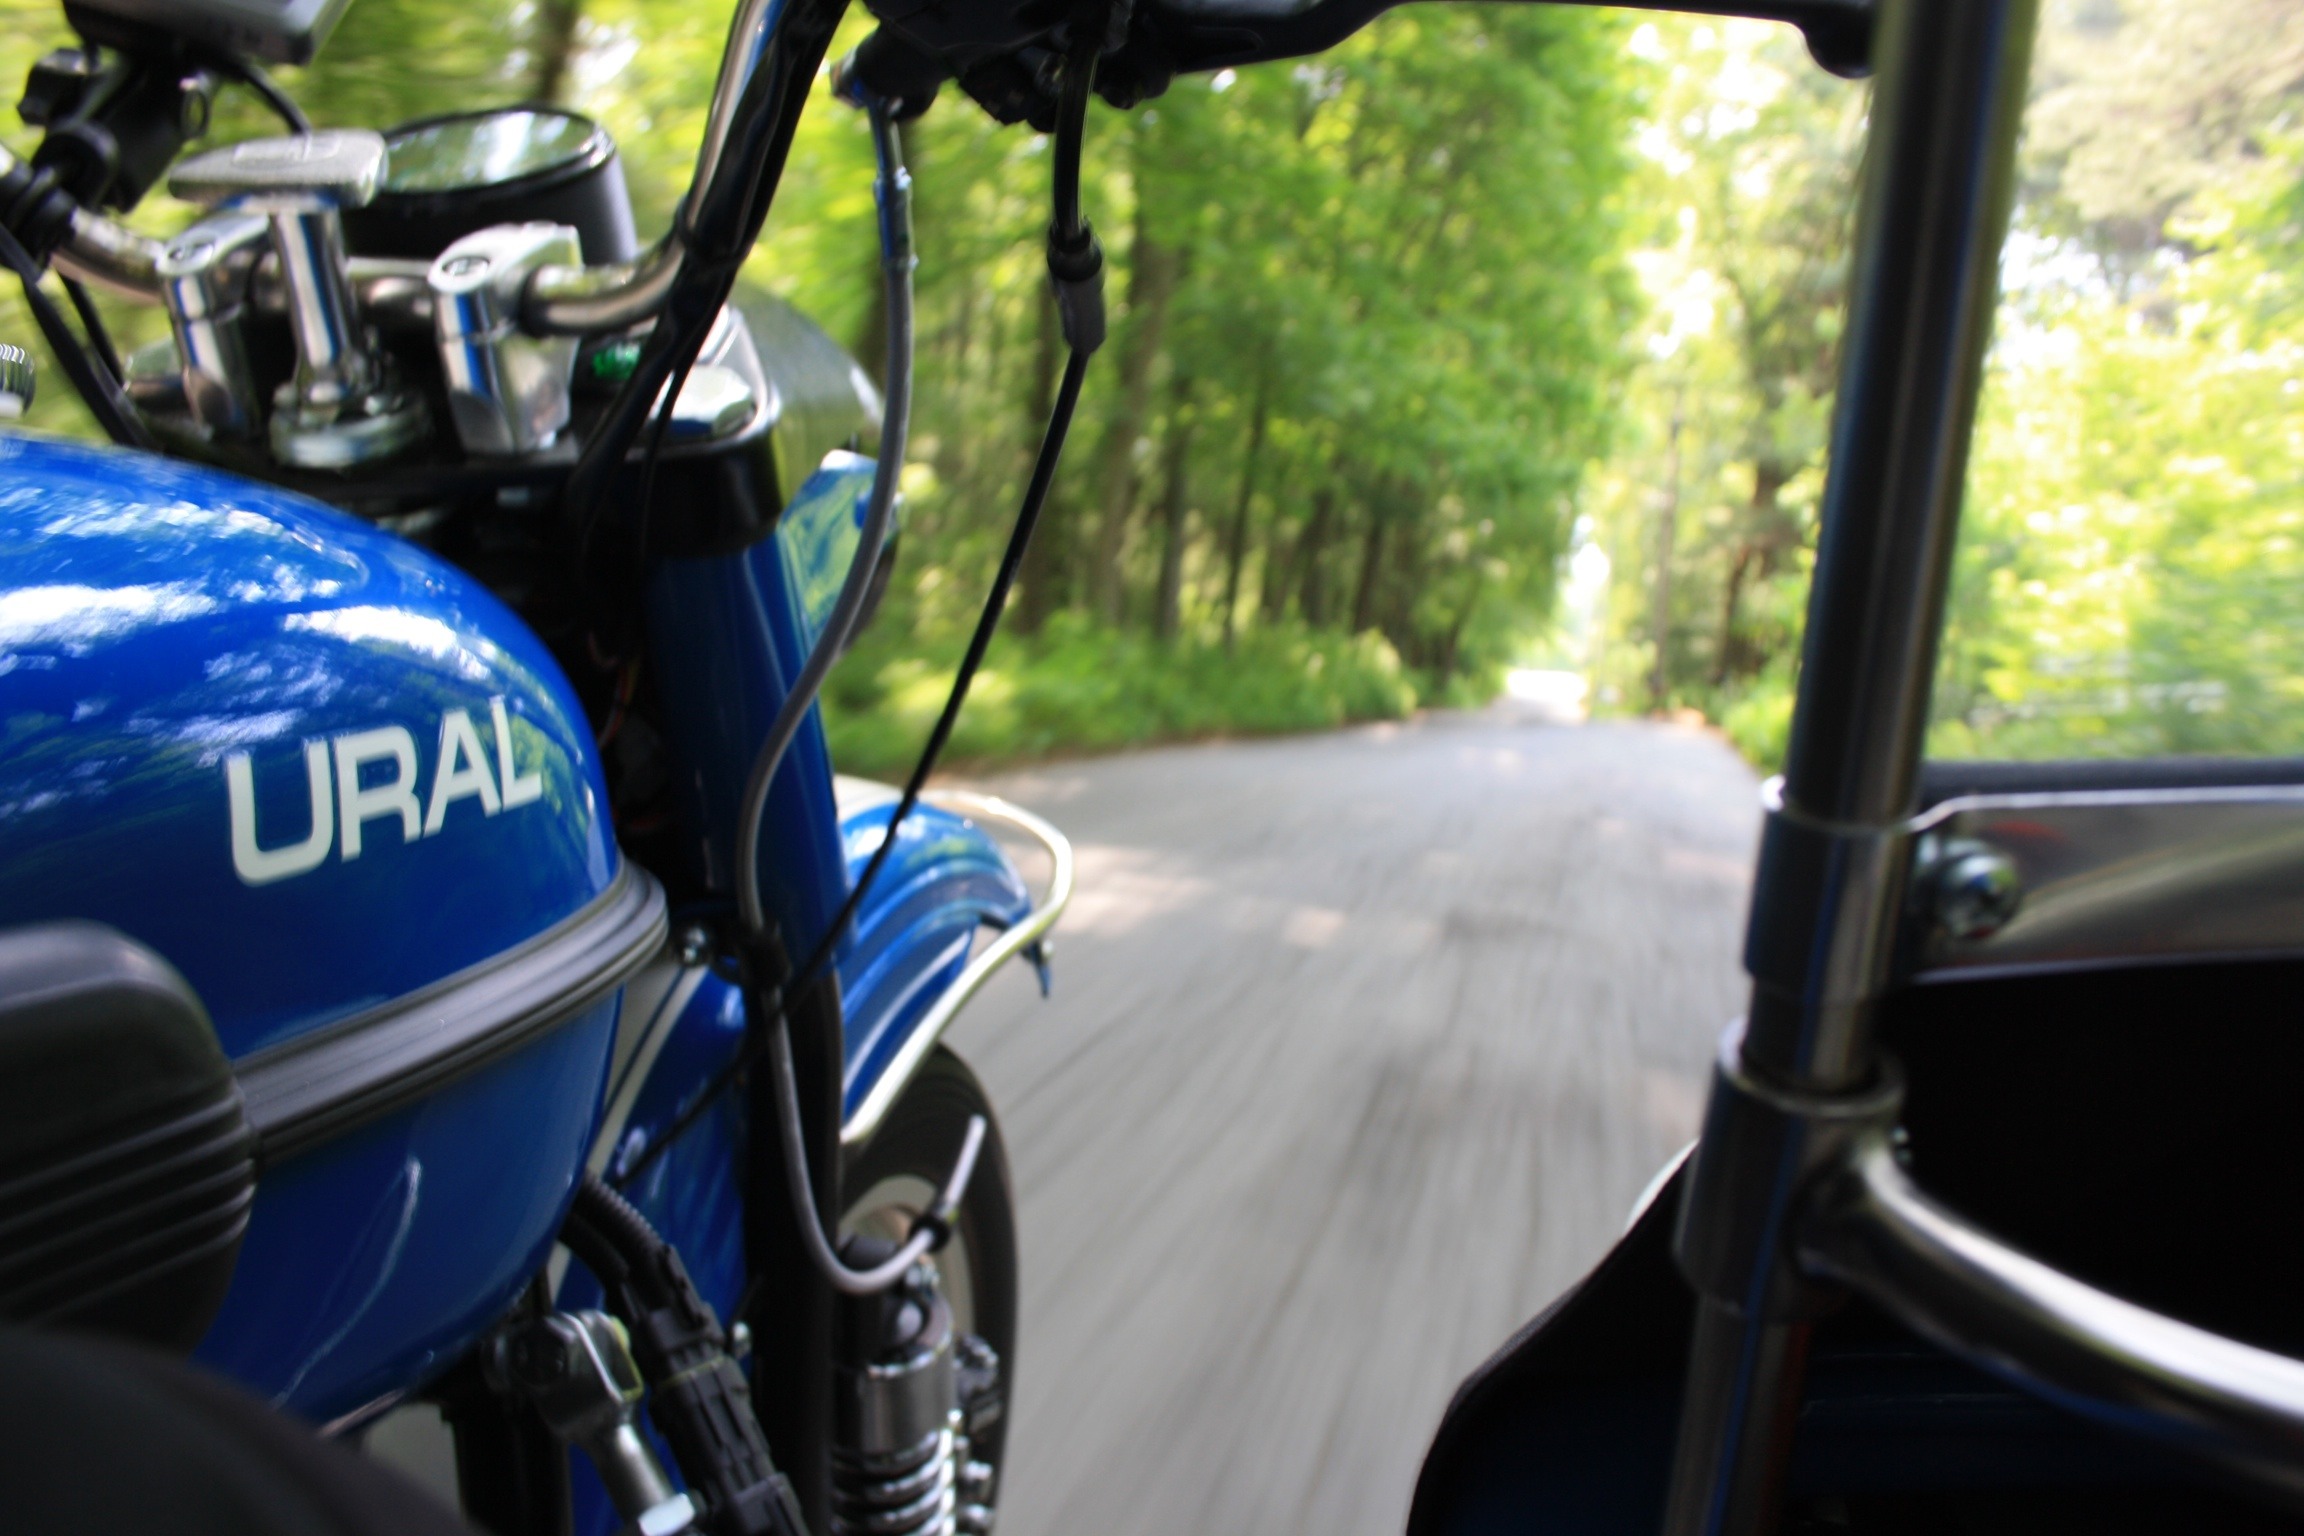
pixel 1361 1046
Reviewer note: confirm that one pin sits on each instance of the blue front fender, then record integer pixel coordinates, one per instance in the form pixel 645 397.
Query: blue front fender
pixel 944 880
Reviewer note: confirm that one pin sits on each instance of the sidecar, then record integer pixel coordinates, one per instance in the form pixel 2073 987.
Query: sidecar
pixel 1996 1222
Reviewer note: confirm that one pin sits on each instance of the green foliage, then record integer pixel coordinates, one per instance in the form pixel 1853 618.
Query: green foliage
pixel 1757 715
pixel 1367 321
pixel 2131 572
pixel 2131 576
pixel 1080 687
pixel 1707 510
pixel 1366 313
pixel 2130 579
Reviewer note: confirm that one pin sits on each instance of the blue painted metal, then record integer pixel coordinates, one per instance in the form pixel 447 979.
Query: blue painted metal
pixel 164 628
pixel 199 677
pixel 376 1260
pixel 158 620
pixel 817 534
pixel 944 879
pixel 728 634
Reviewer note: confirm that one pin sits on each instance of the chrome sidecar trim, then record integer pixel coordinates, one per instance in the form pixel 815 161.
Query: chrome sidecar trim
pixel 312 1089
pixel 2057 1337
pixel 2130 875
pixel 890 1086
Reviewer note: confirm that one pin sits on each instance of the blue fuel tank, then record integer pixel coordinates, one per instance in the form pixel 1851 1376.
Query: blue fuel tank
pixel 349 796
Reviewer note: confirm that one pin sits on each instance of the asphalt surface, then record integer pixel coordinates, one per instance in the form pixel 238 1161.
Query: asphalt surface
pixel 1361 1047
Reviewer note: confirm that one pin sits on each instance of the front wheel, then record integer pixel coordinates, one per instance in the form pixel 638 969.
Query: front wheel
pixel 895 1178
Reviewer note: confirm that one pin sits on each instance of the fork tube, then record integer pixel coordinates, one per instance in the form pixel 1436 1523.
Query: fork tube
pixel 1938 176
pixel 1934 211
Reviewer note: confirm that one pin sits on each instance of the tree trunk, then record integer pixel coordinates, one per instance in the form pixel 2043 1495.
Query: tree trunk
pixel 1273 576
pixel 1667 524
pixel 1453 642
pixel 1311 551
pixel 1371 557
pixel 1399 580
pixel 1724 657
pixel 1766 530
pixel 1047 559
pixel 1774 534
pixel 1151 273
pixel 554 48
pixel 1236 553
pixel 1167 611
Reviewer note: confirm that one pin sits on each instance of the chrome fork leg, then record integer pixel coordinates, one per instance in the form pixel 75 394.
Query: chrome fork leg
pixel 1735 1424
pixel 1800 1081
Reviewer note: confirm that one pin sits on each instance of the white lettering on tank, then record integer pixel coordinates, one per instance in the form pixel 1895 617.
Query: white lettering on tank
pixel 261 866
pixel 519 789
pixel 461 773
pixel 342 805
pixel 395 797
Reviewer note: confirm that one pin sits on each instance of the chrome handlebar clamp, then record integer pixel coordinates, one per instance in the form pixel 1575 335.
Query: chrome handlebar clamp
pixel 507 390
pixel 204 280
pixel 343 407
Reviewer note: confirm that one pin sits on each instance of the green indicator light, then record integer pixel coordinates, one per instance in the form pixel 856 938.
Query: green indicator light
pixel 615 362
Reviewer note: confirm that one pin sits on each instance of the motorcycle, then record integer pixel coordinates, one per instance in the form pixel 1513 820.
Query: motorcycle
pixel 398 1009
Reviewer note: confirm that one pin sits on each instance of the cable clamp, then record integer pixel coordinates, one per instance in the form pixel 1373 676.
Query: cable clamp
pixel 1831 945
pixel 1076 269
pixel 1762 1152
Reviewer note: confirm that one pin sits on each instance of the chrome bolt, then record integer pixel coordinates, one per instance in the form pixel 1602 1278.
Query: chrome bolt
pixel 1977 891
pixel 464 266
pixel 694 946
pixel 739 1340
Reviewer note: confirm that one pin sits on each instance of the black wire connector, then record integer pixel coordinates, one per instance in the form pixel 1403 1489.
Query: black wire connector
pixel 698 1399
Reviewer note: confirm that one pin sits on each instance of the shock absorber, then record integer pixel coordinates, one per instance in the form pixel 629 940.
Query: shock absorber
pixel 908 1389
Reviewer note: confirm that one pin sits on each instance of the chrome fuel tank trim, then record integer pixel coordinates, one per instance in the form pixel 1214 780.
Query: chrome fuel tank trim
pixel 321 1085
pixel 890 1085
pixel 2130 875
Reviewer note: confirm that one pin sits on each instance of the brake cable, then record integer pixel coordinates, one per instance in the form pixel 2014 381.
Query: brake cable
pixel 893 192
pixel 1076 270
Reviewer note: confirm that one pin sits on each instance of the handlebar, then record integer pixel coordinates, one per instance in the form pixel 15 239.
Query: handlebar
pixel 561 301
pixel 594 301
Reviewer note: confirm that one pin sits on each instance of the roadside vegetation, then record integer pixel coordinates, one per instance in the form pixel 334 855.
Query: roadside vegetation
pixel 2131 574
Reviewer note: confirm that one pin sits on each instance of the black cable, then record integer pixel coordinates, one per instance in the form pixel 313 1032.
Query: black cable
pixel 892 191
pixel 1072 132
pixel 92 321
pixel 1075 266
pixel 251 74
pixel 615 1242
pixel 100 390
pixel 1011 560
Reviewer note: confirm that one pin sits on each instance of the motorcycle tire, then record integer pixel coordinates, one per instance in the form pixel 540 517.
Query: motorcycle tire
pixel 895 1175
